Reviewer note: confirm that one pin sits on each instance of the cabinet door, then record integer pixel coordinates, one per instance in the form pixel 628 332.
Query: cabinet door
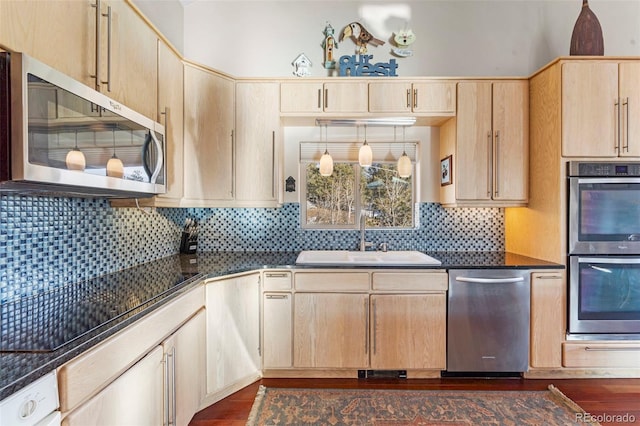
pixel 390 97
pixel 134 398
pixel 133 60
pixel 408 331
pixel 276 330
pixel 630 99
pixel 58 33
pixel 258 144
pixel 233 326
pixel 185 353
pixel 346 97
pixel 548 319
pixel 434 98
pixel 472 169
pixel 208 136
pixel 589 113
pixel 301 97
pixel 330 330
pixel 511 140
pixel 170 113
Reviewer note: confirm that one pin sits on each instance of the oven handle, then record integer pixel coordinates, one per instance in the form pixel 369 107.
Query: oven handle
pixel 615 260
pixel 626 180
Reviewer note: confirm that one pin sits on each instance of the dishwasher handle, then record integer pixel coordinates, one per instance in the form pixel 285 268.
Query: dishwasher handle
pixel 490 280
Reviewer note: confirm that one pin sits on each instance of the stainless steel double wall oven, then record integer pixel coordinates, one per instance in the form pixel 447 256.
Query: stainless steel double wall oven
pixel 604 250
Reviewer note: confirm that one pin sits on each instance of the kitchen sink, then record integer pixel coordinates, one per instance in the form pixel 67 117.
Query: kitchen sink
pixel 365 258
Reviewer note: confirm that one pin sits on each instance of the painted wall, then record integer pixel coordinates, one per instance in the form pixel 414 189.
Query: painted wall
pixel 454 37
pixel 168 17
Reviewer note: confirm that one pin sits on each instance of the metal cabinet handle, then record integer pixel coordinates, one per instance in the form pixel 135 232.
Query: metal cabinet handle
pixel 375 323
pixel 165 361
pixel 96 76
pixel 497 165
pixel 415 98
pixel 277 296
pixel 549 277
pixel 326 98
pixel 273 164
pixel 233 162
pixel 408 98
pixel 319 98
pixel 173 386
pixel 109 30
pixel 489 168
pixel 277 275
pixel 366 327
pixel 616 142
pixel 626 105
pixel 620 349
pixel 165 113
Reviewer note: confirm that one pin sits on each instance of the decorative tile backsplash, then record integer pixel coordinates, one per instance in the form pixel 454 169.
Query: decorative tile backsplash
pixel 47 242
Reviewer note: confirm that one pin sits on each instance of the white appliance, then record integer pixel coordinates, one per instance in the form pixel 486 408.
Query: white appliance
pixel 35 405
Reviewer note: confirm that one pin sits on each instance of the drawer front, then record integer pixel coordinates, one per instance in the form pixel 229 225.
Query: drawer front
pixel 276 280
pixel 601 354
pixel 86 374
pixel 332 281
pixel 410 281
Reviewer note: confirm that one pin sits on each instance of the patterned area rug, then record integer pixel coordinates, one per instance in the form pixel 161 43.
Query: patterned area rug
pixel 279 406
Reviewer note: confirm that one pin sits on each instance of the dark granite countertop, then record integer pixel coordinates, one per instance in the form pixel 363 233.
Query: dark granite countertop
pixel 85 314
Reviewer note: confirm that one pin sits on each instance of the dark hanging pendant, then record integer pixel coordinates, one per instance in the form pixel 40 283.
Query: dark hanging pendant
pixel 586 38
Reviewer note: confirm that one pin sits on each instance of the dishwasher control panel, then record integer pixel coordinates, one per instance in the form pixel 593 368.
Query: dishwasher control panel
pixel 31 404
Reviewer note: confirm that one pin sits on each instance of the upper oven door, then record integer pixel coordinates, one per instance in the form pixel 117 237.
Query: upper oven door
pixel 604 215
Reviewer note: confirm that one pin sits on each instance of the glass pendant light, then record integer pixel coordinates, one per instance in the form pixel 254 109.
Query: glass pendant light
pixel 75 158
pixel 404 162
pixel 326 162
pixel 365 155
pixel 115 168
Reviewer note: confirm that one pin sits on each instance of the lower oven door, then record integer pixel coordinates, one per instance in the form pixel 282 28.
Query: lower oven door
pixel 604 295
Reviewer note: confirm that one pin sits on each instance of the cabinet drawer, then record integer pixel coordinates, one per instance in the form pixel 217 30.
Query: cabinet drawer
pixel 410 281
pixel 277 280
pixel 83 376
pixel 332 281
pixel 601 354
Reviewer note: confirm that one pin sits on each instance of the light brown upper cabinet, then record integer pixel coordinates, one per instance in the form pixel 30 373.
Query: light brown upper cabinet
pixel 209 145
pixel 488 142
pixel 433 97
pixel 331 97
pixel 63 35
pixel 599 101
pixel 258 144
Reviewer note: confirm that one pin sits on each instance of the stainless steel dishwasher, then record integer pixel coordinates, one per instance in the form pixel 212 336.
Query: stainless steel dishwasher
pixel 488 320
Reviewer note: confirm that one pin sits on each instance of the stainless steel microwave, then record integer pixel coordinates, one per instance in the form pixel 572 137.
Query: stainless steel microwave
pixel 58 136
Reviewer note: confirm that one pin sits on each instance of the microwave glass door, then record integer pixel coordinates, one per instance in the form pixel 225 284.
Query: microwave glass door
pixel 60 121
pixel 605 295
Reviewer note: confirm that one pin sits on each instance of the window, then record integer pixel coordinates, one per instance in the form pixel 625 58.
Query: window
pixel 336 201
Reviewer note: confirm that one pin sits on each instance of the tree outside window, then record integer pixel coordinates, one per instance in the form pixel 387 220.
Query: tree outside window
pixel 336 201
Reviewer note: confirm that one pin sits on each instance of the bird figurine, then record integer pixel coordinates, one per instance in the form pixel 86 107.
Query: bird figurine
pixel 360 36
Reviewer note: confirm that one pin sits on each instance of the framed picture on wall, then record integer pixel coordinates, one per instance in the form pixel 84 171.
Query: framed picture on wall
pixel 446 171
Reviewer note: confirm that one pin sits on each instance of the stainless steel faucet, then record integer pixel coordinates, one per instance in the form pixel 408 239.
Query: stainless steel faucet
pixel 363 243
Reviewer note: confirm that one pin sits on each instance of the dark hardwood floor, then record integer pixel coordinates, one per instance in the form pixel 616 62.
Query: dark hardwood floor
pixel 597 397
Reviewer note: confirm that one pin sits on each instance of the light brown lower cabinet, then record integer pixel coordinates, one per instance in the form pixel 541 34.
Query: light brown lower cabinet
pixel 548 319
pixel 164 387
pixel 134 398
pixel 408 331
pixel 331 330
pixel 277 326
pixel 601 354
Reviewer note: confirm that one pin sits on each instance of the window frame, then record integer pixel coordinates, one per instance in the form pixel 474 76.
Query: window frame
pixel 358 200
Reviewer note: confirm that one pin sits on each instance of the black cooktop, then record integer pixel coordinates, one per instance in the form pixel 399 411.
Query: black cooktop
pixel 48 321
